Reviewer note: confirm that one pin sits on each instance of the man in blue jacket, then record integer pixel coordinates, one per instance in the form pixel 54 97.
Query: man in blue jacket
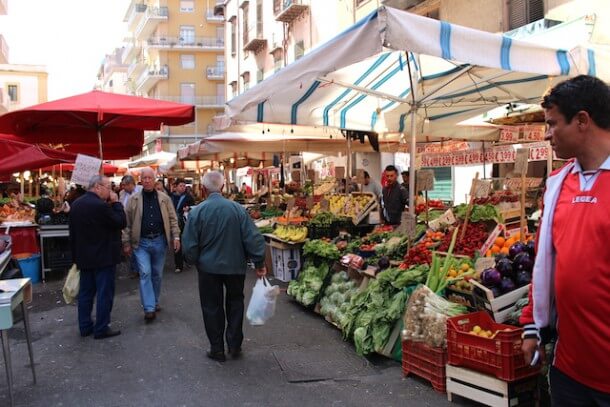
pixel 219 237
pixel 96 220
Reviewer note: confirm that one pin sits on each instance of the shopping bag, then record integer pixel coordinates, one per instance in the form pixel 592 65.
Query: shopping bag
pixel 72 285
pixel 262 302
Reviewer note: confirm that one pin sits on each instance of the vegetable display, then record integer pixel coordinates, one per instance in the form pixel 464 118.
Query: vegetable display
pixel 510 271
pixel 306 289
pixel 291 233
pixel 321 249
pixel 337 296
pixel 479 213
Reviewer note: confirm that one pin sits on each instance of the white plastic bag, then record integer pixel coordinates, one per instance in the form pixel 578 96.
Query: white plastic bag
pixel 72 285
pixel 262 303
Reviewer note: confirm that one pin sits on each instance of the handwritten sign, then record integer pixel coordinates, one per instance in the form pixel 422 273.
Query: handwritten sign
pixel 339 172
pixel 481 188
pixel 85 168
pixel 425 180
pixel 407 225
pixel 521 161
pixel 483 263
pixel 511 134
pixel 515 183
pixel 491 239
pixel 447 218
pixel 324 204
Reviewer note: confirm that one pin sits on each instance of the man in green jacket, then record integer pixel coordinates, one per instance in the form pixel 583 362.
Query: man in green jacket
pixel 219 238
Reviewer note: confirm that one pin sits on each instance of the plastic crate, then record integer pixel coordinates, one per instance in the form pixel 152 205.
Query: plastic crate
pixel 500 356
pixel 426 362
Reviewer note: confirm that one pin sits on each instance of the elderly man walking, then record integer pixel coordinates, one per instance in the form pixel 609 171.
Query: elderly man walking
pixel 151 226
pixel 219 238
pixel 96 220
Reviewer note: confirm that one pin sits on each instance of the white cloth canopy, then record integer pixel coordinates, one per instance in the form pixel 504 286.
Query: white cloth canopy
pixel 360 79
pixel 158 158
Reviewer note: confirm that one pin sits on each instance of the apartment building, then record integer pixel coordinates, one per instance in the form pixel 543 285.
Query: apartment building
pixel 175 52
pixel 112 75
pixel 3 60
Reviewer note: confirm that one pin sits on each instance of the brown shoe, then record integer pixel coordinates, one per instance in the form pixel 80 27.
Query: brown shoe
pixel 149 317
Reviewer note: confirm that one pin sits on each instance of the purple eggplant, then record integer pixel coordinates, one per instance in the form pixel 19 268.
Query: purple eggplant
pixel 530 248
pixel 507 285
pixel 523 278
pixel 523 262
pixel 491 277
pixel 496 291
pixel 515 249
pixel 505 267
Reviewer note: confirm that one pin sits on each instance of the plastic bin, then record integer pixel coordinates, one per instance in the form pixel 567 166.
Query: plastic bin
pixel 500 356
pixel 29 264
pixel 426 362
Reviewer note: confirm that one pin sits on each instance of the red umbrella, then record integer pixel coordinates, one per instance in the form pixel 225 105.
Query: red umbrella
pixel 108 119
pixel 18 156
pixel 108 169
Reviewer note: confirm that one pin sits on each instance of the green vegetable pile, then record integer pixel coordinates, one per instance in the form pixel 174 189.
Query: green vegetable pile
pixel 306 289
pixel 321 250
pixel 373 312
pixel 336 300
pixel 271 213
pixel 479 213
pixel 266 229
pixel 323 219
pixel 432 215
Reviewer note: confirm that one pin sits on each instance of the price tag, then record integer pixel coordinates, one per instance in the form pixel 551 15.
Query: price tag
pixel 311 175
pixel 86 167
pixel 521 161
pixel 324 204
pixel 290 204
pixel 482 188
pixel 483 263
pixel 360 176
pixel 407 225
pixel 309 202
pixel 447 218
pixel 425 180
pixel 339 172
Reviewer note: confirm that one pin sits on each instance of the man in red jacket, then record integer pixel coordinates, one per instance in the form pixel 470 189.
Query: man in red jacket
pixel 571 280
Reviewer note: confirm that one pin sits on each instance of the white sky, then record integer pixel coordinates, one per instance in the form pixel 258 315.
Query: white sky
pixel 70 37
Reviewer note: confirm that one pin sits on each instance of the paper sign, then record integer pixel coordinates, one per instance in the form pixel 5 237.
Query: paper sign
pixel 482 188
pixel 425 180
pixel 290 204
pixel 418 161
pixel 509 134
pixel 407 224
pixel 483 263
pixel 360 176
pixel 86 167
pixel 311 175
pixel 447 218
pixel 515 183
pixel 491 239
pixel 309 202
pixel 296 176
pixel 339 172
pixel 521 160
pixel 324 205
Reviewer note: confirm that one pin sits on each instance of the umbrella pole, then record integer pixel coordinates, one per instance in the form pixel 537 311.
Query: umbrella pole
pixel 99 141
pixel 349 158
pixel 413 147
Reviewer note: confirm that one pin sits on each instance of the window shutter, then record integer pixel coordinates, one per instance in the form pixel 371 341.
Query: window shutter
pixel 517 13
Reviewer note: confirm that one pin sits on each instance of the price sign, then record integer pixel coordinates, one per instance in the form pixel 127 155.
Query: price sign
pixel 360 176
pixel 339 172
pixel 447 218
pixel 296 176
pixel 86 167
pixel 482 188
pixel 309 202
pixel 509 135
pixel 425 180
pixel 521 161
pixel 483 263
pixel 324 204
pixel 491 239
pixel 407 225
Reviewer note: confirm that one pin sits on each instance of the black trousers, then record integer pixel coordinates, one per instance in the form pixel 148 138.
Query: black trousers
pixel 214 302
pixel 567 392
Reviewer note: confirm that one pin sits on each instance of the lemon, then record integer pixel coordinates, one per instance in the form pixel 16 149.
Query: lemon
pixel 476 329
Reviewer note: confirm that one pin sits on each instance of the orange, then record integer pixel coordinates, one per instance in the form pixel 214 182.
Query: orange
pixel 488 253
pixel 499 241
pixel 510 242
pixel 495 249
pixel 504 250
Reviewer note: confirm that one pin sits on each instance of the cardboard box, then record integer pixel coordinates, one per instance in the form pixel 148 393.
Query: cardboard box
pixel 286 263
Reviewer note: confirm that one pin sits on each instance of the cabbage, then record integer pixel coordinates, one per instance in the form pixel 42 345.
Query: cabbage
pixel 308 298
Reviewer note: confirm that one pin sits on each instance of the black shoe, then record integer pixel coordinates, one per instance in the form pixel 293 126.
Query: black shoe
pixel 86 333
pixel 235 353
pixel 149 317
pixel 217 356
pixel 108 334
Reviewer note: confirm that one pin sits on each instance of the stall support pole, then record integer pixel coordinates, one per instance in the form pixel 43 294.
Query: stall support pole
pixel 413 146
pixel 348 170
pixel 549 159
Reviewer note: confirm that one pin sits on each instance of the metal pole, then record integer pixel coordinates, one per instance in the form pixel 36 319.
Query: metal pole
pixel 99 140
pixel 413 147
pixel 348 170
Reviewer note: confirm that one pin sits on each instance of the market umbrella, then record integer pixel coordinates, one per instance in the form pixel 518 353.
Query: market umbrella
pixel 18 156
pixel 114 122
pixel 108 169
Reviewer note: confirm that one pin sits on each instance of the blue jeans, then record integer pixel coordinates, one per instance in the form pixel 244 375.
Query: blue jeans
pixel 98 281
pixel 150 256
pixel 133 264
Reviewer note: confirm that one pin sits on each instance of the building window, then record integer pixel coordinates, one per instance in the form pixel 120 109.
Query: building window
pixel 233 85
pixel 233 38
pixel 259 18
pixel 260 75
pixel 187 61
pixel 522 12
pixel 277 61
pixel 187 6
pixel 246 78
pixel 299 50
pixel 245 24
pixel 13 93
pixel 187 34
pixel 187 93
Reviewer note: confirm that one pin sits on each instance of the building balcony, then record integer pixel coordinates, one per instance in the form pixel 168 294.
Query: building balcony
pixel 3 101
pixel 212 17
pixel 3 7
pixel 132 50
pixel 136 11
pixel 287 11
pixel 150 77
pixel 205 102
pixel 215 73
pixel 136 68
pixel 3 50
pixel 187 44
pixel 254 40
pixel 150 21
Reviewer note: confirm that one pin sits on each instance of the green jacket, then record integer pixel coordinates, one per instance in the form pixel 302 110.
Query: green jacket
pixel 220 236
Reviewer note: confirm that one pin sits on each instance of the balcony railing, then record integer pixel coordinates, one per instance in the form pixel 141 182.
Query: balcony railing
pixel 254 39
pixel 3 50
pixel 287 11
pixel 134 18
pixel 151 76
pixel 152 17
pixel 215 72
pixel 211 101
pixel 213 43
pixel 212 17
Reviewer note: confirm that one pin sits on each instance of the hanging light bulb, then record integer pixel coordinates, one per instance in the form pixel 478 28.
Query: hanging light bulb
pixel 27 174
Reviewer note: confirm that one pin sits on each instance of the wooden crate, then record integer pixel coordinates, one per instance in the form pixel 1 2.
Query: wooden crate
pixel 501 307
pixel 491 391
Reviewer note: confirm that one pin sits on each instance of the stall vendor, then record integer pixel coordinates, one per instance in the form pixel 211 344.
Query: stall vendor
pixel 394 197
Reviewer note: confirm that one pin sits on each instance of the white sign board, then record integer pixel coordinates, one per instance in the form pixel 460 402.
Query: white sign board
pixel 86 167
pixel 521 161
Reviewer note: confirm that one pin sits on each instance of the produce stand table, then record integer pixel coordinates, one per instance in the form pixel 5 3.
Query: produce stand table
pixel 62 256
pixel 23 237
pixel 285 257
pixel 14 293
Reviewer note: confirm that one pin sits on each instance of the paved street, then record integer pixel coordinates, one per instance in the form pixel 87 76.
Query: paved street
pixel 164 363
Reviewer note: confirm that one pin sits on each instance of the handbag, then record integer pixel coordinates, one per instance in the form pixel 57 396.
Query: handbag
pixel 71 285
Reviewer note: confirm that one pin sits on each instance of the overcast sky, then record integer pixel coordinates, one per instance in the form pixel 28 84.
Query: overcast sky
pixel 70 37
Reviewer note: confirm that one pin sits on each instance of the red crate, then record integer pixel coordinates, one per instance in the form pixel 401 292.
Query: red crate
pixel 426 362
pixel 500 356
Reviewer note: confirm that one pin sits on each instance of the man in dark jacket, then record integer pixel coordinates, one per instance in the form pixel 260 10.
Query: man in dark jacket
pixel 182 201
pixel 96 220
pixel 395 197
